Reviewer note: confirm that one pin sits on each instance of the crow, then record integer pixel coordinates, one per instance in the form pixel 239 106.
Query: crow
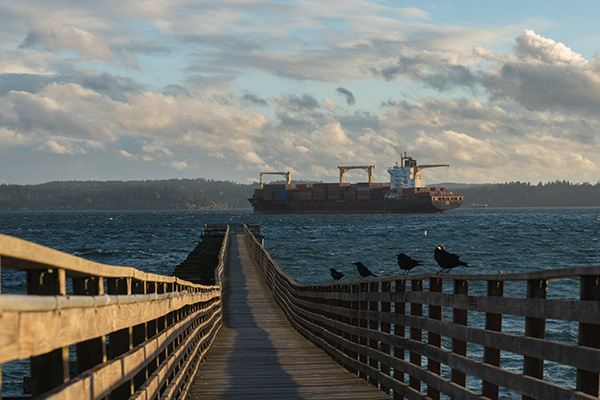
pixel 447 260
pixel 362 270
pixel 337 275
pixel 406 263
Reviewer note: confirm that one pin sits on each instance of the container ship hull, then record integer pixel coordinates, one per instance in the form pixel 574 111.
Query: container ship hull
pixel 382 206
pixel 367 198
pixel 405 193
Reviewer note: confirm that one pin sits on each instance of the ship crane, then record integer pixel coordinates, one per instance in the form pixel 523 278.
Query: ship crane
pixel 368 168
pixel 421 167
pixel 415 170
pixel 286 175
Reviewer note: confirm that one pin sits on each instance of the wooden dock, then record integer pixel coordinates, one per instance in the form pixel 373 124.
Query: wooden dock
pixel 95 331
pixel 258 355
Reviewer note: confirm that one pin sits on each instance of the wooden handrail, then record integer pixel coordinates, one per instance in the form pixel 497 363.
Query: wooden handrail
pixel 159 328
pixel 368 326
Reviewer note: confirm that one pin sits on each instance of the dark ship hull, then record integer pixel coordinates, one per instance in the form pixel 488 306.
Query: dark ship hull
pixel 397 206
pixel 351 199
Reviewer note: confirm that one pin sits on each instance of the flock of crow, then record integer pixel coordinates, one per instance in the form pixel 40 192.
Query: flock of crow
pixel 445 260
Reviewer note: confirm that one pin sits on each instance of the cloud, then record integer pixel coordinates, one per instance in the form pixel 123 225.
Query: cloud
pixel 533 46
pixel 64 147
pixel 252 158
pixel 52 36
pixel 63 110
pixel 243 86
pixel 252 99
pixel 546 75
pixel 157 148
pixel 347 94
pixel 126 154
pixel 179 165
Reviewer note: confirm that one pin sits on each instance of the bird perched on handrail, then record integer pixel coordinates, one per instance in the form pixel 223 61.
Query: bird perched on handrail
pixel 407 263
pixel 363 270
pixel 447 260
pixel 337 275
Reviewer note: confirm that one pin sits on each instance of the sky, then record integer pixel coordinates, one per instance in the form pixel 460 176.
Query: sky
pixel 224 90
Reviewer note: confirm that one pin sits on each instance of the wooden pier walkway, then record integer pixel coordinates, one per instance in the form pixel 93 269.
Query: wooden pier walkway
pixel 258 355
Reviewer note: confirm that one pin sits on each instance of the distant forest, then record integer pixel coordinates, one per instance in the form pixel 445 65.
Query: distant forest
pixel 519 194
pixel 172 194
pixel 202 194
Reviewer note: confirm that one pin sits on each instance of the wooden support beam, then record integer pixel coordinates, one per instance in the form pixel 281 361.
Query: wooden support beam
pixel 400 331
pixel 436 285
pixel 363 323
pixel 374 326
pixel 493 322
pixel 535 327
pixel 460 317
pixel 589 335
pixel 416 310
pixel 91 352
pixel 385 328
pixel 52 369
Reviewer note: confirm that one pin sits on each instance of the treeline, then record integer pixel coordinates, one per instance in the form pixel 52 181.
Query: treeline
pixel 203 194
pixel 519 194
pixel 172 194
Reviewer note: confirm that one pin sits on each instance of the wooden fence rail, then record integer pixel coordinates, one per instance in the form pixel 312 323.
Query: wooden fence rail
pixel 94 331
pixel 442 335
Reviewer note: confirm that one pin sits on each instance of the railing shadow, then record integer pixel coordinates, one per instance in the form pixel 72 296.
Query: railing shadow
pixel 418 335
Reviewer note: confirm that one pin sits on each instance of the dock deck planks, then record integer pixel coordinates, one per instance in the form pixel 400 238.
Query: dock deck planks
pixel 257 353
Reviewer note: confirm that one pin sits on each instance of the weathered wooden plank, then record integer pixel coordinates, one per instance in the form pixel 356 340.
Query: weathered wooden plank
pixel 562 309
pixel 24 255
pixel 257 352
pixel 102 379
pixel 19 331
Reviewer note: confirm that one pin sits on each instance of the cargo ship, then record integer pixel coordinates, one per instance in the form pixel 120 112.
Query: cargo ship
pixel 405 193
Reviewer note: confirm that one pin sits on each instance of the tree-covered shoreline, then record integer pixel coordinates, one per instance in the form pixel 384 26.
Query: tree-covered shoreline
pixel 172 194
pixel 204 194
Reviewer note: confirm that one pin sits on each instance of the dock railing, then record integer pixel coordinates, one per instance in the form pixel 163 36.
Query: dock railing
pixel 433 335
pixel 95 331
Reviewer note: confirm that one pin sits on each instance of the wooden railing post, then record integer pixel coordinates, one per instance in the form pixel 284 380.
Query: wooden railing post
pixel 535 327
pixel 352 321
pixel 374 326
pixel 385 327
pixel 91 352
pixel 416 310
pixel 0 294
pixel 363 323
pixel 460 317
pixel 355 306
pixel 120 341
pixel 139 335
pixel 51 369
pixel 400 331
pixel 493 322
pixel 435 339
pixel 587 381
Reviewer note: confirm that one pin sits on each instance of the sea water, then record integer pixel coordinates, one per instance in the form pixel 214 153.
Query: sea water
pixel 490 240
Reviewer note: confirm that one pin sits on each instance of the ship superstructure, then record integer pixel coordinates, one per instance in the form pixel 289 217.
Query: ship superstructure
pixel 405 193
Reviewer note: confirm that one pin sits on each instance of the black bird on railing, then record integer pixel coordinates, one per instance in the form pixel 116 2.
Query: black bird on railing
pixel 337 275
pixel 406 263
pixel 447 260
pixel 362 270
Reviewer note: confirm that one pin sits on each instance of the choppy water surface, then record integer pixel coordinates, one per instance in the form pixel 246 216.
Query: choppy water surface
pixel 306 246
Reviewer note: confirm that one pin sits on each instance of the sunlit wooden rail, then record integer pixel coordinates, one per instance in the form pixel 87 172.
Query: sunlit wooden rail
pixel 409 336
pixel 93 331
